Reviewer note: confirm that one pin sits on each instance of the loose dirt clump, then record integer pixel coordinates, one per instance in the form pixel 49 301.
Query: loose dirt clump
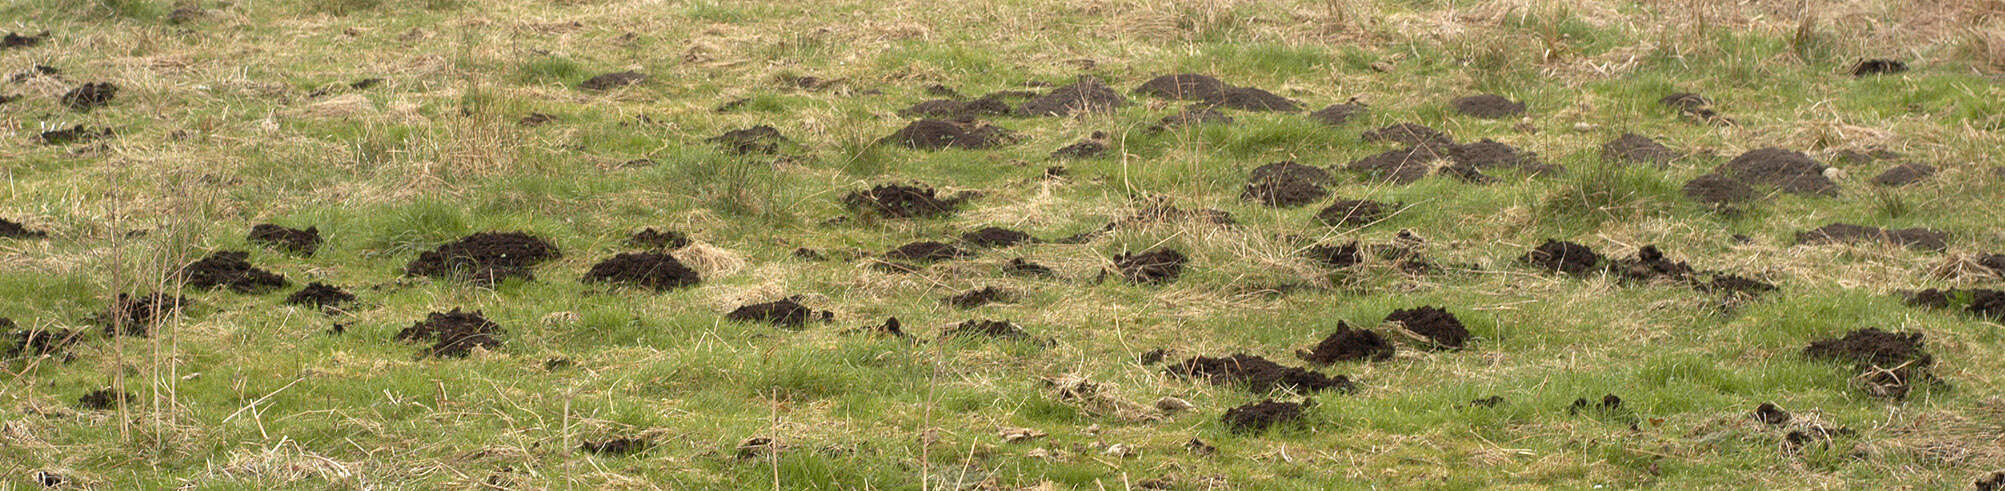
pixel 1398 166
pixel 1685 101
pixel 613 80
pixel 979 297
pixel 995 237
pixel 1890 363
pixel 1913 238
pixel 1487 106
pixel 1348 344
pixel 1489 154
pixel 615 446
pixel 1438 326
pixel 36 342
pixel 1904 174
pixel 486 257
pixel 926 251
pixel 783 313
pixel 1286 190
pixel 102 399
pixel 649 269
pixel 1336 256
pixel 17 40
pixel 1091 146
pixel 1257 374
pixel 74 134
pixel 13 230
pixel 1878 67
pixel 1021 267
pixel 1632 147
pixel 1788 170
pixel 453 334
pixel 231 269
pixel 1338 114
pixel 1288 169
pixel 88 96
pixel 1650 264
pixel 649 238
pixel 992 329
pixel 990 105
pixel 1718 191
pixel 319 295
pixel 1259 416
pixel 1191 116
pixel 287 239
pixel 1155 266
pixel 1562 256
pixel 1182 86
pixel 1086 95
pixel 135 315
pixel 757 139
pixel 1252 99
pixel 901 201
pixel 1353 213
pixel 1409 134
pixel 1767 413
pixel 935 134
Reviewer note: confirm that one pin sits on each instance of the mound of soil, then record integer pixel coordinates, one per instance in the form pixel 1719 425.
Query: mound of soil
pixel 1086 95
pixel 1878 67
pixel 1335 256
pixel 1160 211
pixel 36 342
pixel 131 315
pixel 649 269
pixel 1466 173
pixel 1685 101
pixel 613 80
pixel 1259 416
pixel 1913 238
pixel 1398 166
pixel 90 95
pixel 1871 346
pixel 231 269
pixel 1252 99
pixel 1767 413
pixel 1488 154
pixel 1988 303
pixel 1338 114
pixel 1353 213
pixel 1285 190
pixel 783 313
pixel 102 399
pixel 453 334
pixel 1632 147
pixel 649 238
pixel 1348 344
pixel 1488 106
pixel 1994 262
pixel 1191 116
pixel 18 40
pixel 757 139
pixel 287 239
pixel 12 230
pixel 74 134
pixel 993 329
pixel 1257 374
pixel 1087 148
pixel 1732 284
pixel 1650 264
pixel 979 297
pixel 926 251
pixel 995 237
pixel 1290 170
pixel 319 295
pixel 615 446
pixel 1409 134
pixel 1433 323
pixel 990 105
pixel 1021 267
pixel 1788 170
pixel 1716 190
pixel 935 134
pixel 1182 86
pixel 901 201
pixel 1904 174
pixel 486 257
pixel 1155 266
pixel 1562 256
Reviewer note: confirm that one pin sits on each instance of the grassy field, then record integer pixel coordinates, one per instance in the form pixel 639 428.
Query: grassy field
pixel 232 114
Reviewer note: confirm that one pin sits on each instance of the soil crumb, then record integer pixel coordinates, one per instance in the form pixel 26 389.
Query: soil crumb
pixel 613 80
pixel 1904 174
pixel 485 258
pixel 1258 374
pixel 1259 416
pixel 1155 266
pixel 231 269
pixel 296 241
pixel 1631 147
pixel 14 230
pixel 1335 256
pixel 1086 95
pixel 1878 67
pixel 649 238
pixel 89 96
pixel 979 297
pixel 1182 86
pixel 1353 213
pixel 901 201
pixel 1788 170
pixel 1487 106
pixel 655 270
pixel 320 295
pixel 1913 238
pixel 1433 323
pixel 453 334
pixel 995 237
pixel 1349 344
pixel 1562 256
pixel 1338 114
pixel 783 313
pixel 757 139
pixel 936 134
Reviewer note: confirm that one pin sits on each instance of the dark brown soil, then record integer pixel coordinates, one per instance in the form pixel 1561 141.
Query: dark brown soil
pixel 1994 262
pixel 1338 114
pixel 1021 267
pixel 991 105
pixel 890 327
pixel 986 329
pixel 1259 416
pixel 1488 154
pixel 1353 213
pixel 1191 116
pixel 1336 256
pixel 1258 374
pixel 33 72
pixel 1788 170
pixel 1872 347
pixel 1650 264
pixel 935 134
pixel 1994 481
pixel 287 239
pixel 995 237
pixel 231 269
pixel 1564 257
pixel 1155 266
pixel 12 230
pixel 1632 147
pixel 1466 173
pixel 1488 106
pixel 1609 403
pixel 979 297
pixel 1086 95
pixel 1286 189
pixel 18 40
pixel 1182 86
pixel 1159 210
pixel 453 334
pixel 1409 134
pixel 1087 148
pixel 1716 190
pixel 926 251
pixel 783 313
pixel 102 400
pixel 616 446
pixel 1904 174
pixel 613 80
pixel 1771 415
pixel 757 139
pixel 1732 284
pixel 320 295
pixel 1878 67
pixel 1349 344
pixel 1686 101
pixel 1290 170
pixel 1913 238
pixel 649 269
pixel 1988 303
pixel 36 342
pixel 649 238
pixel 901 201
pixel 74 134
pixel 89 96
pixel 1252 99
pixel 131 315
pixel 486 257
pixel 1433 323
